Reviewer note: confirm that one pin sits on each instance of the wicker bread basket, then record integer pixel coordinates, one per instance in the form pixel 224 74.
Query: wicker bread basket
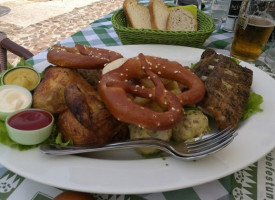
pixel 128 35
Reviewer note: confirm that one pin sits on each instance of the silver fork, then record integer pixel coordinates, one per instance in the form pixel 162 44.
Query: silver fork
pixel 188 150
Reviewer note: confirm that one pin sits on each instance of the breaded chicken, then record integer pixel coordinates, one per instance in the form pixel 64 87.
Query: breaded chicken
pixel 87 121
pixel 49 95
pixel 82 116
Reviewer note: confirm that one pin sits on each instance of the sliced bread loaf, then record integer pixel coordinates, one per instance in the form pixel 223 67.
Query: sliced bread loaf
pixel 159 13
pixel 181 20
pixel 137 15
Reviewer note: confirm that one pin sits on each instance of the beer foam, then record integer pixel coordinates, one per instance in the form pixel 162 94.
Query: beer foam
pixel 259 21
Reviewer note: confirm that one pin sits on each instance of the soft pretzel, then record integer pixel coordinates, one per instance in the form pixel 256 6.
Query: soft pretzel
pixel 81 56
pixel 115 86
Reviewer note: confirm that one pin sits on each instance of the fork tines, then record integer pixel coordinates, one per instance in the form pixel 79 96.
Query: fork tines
pixel 212 142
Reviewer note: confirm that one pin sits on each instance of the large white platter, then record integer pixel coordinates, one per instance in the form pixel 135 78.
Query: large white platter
pixel 123 172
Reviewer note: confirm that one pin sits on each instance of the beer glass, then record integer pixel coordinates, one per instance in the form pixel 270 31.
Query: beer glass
pixel 254 26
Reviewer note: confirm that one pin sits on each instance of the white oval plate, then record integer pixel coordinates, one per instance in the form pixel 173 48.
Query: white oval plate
pixel 124 172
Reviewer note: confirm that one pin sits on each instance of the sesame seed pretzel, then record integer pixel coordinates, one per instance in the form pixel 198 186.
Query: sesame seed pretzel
pixel 81 56
pixel 115 86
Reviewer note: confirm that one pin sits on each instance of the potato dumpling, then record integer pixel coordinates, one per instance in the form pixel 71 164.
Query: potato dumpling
pixel 193 124
pixel 138 132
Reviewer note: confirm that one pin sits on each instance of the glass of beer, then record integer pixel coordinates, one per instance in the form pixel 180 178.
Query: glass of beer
pixel 255 23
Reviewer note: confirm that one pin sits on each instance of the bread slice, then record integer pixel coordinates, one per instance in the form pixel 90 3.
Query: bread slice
pixel 138 15
pixel 181 20
pixel 159 13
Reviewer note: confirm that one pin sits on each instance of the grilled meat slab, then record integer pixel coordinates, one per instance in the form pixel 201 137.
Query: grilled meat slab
pixel 227 88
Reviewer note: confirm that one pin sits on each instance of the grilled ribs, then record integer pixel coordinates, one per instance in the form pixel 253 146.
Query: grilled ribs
pixel 227 88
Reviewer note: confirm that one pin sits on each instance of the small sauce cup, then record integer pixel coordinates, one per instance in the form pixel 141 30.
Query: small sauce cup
pixel 22 76
pixel 30 126
pixel 12 99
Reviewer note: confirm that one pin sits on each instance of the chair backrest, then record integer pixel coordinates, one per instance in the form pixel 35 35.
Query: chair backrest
pixel 7 45
pixel 3 55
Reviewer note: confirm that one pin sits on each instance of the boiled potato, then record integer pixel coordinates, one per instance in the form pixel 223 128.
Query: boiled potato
pixel 193 124
pixel 138 132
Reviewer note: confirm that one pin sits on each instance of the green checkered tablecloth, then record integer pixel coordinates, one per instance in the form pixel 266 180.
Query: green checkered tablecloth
pixel 254 182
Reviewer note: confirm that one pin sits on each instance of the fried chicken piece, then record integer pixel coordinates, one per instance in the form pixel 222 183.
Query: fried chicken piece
pixel 227 88
pixel 49 94
pixel 71 129
pixel 87 121
pixel 90 75
pixel 82 116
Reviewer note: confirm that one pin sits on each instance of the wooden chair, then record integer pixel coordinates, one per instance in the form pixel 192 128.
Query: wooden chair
pixel 7 45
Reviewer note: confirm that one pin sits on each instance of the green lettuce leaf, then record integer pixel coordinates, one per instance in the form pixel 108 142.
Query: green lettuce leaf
pixel 235 60
pixel 253 105
pixel 22 62
pixel 6 140
pixel 58 140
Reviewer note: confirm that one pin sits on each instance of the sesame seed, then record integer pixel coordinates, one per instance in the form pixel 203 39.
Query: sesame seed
pixel 203 78
pixel 211 67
